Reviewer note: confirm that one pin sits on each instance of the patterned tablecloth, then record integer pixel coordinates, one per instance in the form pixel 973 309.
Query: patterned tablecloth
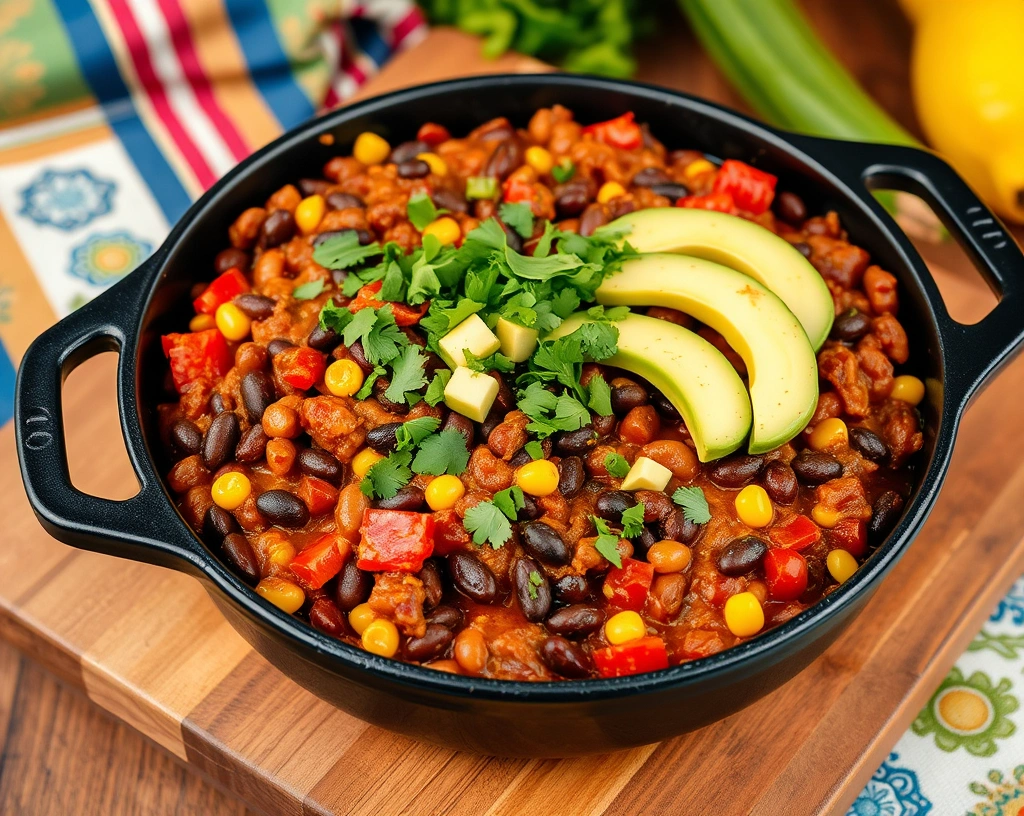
pixel 116 114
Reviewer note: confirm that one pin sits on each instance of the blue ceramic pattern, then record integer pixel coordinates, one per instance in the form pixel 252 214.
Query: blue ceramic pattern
pixel 104 258
pixel 892 791
pixel 67 199
pixel 1012 606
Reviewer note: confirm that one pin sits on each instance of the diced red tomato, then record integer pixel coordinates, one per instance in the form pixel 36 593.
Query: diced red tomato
pixel 751 189
pixel 196 355
pixel 517 190
pixel 636 657
pixel 433 133
pixel 449 533
pixel 621 132
pixel 319 496
pixel 321 560
pixel 798 534
pixel 785 572
pixel 627 587
pixel 719 202
pixel 405 315
pixel 301 367
pixel 850 534
pixel 221 289
pixel 395 540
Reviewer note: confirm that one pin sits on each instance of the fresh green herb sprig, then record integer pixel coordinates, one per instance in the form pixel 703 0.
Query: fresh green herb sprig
pixel 607 542
pixel 490 521
pixel 695 506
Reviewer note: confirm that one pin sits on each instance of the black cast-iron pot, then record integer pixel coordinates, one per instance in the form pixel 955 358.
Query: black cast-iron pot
pixel 496 717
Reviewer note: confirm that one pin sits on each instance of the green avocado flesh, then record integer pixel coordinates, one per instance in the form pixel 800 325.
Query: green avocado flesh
pixel 695 377
pixel 781 366
pixel 743 245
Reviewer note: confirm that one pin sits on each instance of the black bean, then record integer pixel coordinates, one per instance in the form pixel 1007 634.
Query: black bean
pixel 803 248
pixel 676 527
pixel 533 590
pixel 353 588
pixel 239 552
pixel 505 400
pixel 252 446
pixel 277 345
pixel 325 340
pixel 544 542
pixel 309 186
pixel 381 385
pixel 464 425
pixel 321 464
pixel 218 524
pixel 780 482
pixel 816 468
pixel 282 508
pixel 433 586
pixel 507 156
pixel 741 555
pixel 664 407
pixel 576 620
pixel 564 657
pixel 498 129
pixel 413 169
pixel 494 418
pixel 646 540
pixel 790 208
pixel 571 198
pixel 343 201
pixel 612 504
pixel 434 642
pixel 530 510
pixel 257 391
pixel 570 476
pixel 650 176
pixel 278 228
pixel 232 258
pixel 575 442
pixel 472 577
pixel 594 216
pixel 449 200
pixel 186 437
pixel 514 239
pixel 520 458
pixel 571 589
pixel 885 512
pixel 257 307
pixel 870 445
pixel 671 189
pixel 356 352
pixel 850 326
pixel 448 616
pixel 627 396
pixel 383 438
pixel 324 616
pixel 221 438
pixel 217 403
pixel 736 470
pixel 603 425
pixel 407 498
pixel 408 150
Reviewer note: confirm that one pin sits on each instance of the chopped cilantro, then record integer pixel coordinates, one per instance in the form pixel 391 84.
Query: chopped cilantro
pixel 563 171
pixel 308 291
pixel 695 506
pixel 445 315
pixel 371 378
pixel 393 287
pixel 488 524
pixel 344 250
pixel 410 433
pixel 407 374
pixel 496 362
pixel 604 313
pixel 536 400
pixel 616 465
pixel 600 401
pixel 510 501
pixel 435 391
pixel 536 580
pixel 421 210
pixel 534 448
pixel 383 341
pixel 385 478
pixel 443 452
pixel 537 403
pixel 633 521
pixel 519 217
pixel 607 542
pixel 333 316
pixel 360 325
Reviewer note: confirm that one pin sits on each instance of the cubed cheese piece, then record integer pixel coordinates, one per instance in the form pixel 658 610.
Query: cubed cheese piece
pixel 471 393
pixel 646 474
pixel 473 334
pixel 517 342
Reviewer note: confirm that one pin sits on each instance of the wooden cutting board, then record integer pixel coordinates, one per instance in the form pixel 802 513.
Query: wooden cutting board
pixel 149 646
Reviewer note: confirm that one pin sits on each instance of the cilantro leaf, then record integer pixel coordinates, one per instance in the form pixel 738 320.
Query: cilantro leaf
pixel 359 326
pixel 607 542
pixel 393 287
pixel 371 378
pixel 534 268
pixel 343 250
pixel 563 171
pixel 565 303
pixel 604 313
pixel 407 374
pixel 333 316
pixel 487 524
pixel 570 414
pixel 600 401
pixel 535 401
pixel 421 210
pixel 633 521
pixel 616 465
pixel 533 447
pixel 519 217
pixel 410 433
pixel 443 452
pixel 443 315
pixel 536 580
pixel 384 341
pixel 510 501
pixel 695 506
pixel 598 341
pixel 385 478
pixel 435 391
pixel 309 290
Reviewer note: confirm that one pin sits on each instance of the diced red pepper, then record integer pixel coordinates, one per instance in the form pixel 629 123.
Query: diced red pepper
pixel 321 560
pixel 449 533
pixel 301 367
pixel 785 572
pixel 433 133
pixel 850 534
pixel 196 355
pixel 621 132
pixel 395 540
pixel 751 189
pixel 645 654
pixel 516 190
pixel 222 289
pixel 798 534
pixel 319 496
pixel 627 587
pixel 405 315
pixel 719 202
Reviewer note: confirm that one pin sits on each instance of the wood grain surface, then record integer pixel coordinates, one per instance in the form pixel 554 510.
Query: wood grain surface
pixel 148 646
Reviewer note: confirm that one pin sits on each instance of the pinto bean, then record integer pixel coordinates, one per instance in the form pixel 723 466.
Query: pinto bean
pixel 740 556
pixel 564 657
pixel 472 577
pixel 544 542
pixel 533 590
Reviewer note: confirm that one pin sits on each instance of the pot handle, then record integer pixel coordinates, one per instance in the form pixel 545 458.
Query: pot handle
pixel 144 527
pixel 983 348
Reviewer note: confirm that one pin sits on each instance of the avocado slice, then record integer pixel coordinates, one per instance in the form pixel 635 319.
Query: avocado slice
pixel 695 377
pixel 781 365
pixel 743 245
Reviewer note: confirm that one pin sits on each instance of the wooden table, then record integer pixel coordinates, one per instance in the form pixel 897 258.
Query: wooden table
pixel 61 755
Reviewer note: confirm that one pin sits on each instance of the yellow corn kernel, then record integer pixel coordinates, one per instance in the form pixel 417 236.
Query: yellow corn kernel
pixel 824 517
pixel 343 378
pixel 744 615
pixel 280 551
pixel 443 492
pixel 539 159
pixel 232 322
pixel 380 638
pixel 309 213
pixel 202 322
pixel 698 168
pixel 438 166
pixel 361 616
pixel 610 190
pixel 230 490
pixel 446 230
pixel 907 388
pixel 364 460
pixel 538 478
pixel 370 149
pixel 829 433
pixel 283 594
pixel 841 565
pixel 623 627
pixel 754 507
